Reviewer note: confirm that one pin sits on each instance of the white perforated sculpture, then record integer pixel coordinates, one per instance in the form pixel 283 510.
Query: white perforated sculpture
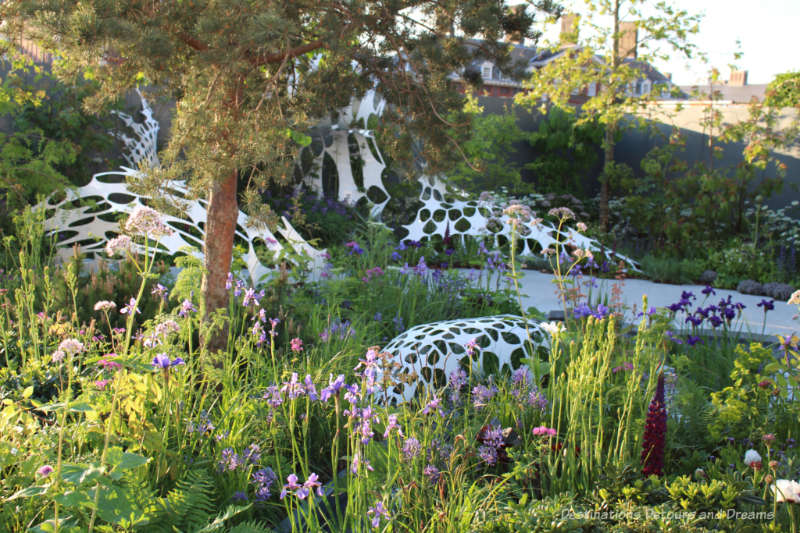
pixel 460 218
pixel 88 216
pixel 431 352
pixel 336 145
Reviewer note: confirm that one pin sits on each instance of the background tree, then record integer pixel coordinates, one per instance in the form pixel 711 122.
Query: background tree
pixel 249 76
pixel 598 53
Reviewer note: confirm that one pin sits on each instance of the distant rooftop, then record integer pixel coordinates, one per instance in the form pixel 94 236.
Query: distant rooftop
pixel 736 90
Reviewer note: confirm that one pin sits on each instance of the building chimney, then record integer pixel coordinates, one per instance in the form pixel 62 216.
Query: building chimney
pixel 628 40
pixel 738 78
pixel 569 30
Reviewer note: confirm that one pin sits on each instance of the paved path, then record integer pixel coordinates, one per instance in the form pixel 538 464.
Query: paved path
pixel 539 291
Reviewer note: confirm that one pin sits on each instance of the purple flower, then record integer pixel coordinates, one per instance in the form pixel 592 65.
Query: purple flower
pixel 163 361
pixel 311 390
pixel 581 311
pixel 297 345
pixel 160 291
pixel 273 396
pixel 333 388
pixel 130 308
pixel 709 291
pixel 377 512
pixel 432 473
pixel 625 366
pixel 354 248
pixel 239 496
pixel 433 405
pixel 44 471
pixel 673 338
pixel 356 463
pixel 263 480
pixel 696 321
pixel 229 460
pixel 395 256
pixel 715 320
pixel 292 388
pixel 481 395
pixel 291 486
pixel 186 308
pixel 229 281
pixel 312 483
pixel 471 346
pixel 768 305
pixel 392 424
pixel 411 448
pixel 691 340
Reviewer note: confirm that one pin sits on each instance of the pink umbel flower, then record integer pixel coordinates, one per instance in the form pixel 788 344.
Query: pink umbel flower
pixel 147 221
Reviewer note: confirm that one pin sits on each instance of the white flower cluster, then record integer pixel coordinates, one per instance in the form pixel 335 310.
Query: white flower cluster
pixel 122 243
pixel 147 221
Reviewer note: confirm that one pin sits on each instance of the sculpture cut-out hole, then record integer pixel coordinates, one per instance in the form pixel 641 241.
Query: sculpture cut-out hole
pixel 429 227
pixel 356 162
pixel 120 198
pixel 376 195
pixel 424 215
pixel 463 225
pixel 330 177
pixel 439 215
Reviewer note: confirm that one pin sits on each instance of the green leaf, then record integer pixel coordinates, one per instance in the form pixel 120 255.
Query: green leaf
pixel 124 460
pixel 28 392
pixel 28 492
pixel 80 407
pixel 81 473
pixel 230 512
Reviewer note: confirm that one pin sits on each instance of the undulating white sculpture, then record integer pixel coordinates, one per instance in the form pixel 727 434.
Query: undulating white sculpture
pixel 478 219
pixel 433 351
pixel 88 216
pixel 337 146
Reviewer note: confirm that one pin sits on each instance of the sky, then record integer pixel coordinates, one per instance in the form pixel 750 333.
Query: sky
pixel 768 31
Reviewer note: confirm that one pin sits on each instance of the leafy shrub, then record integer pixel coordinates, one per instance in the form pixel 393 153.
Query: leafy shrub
pixel 671 269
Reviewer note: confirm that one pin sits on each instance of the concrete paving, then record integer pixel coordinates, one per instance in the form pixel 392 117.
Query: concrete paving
pixel 538 290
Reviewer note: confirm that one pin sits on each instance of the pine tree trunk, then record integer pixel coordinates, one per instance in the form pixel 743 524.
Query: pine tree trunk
pixel 223 209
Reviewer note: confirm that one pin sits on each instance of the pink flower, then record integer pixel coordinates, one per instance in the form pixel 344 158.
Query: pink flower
pixel 101 383
pixel 45 470
pixel 297 345
pixel 544 430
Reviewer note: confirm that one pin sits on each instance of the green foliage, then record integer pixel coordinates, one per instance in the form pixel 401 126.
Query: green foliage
pixel 739 261
pixel 784 90
pixel 759 400
pixel 488 153
pixel 565 152
pixel 668 269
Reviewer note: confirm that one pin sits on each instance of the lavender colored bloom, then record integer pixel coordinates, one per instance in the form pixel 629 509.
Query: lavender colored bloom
pixel 229 460
pixel 411 448
pixel 44 471
pixel 354 248
pixel 432 473
pixel 397 321
pixel 582 311
pixel 291 485
pixel 675 307
pixel 433 405
pixel 391 424
pixel 130 308
pixel 357 462
pixel 471 346
pixel 673 338
pixel 186 308
pixel 481 395
pixel 239 496
pixel 709 291
pixel 292 388
pixel 160 291
pixel 377 512
pixel 601 312
pixel 488 454
pixel 273 396
pixel 537 399
pixel 313 485
pixel 252 454
pixel 163 361
pixel 263 480
pixel 229 281
pixel 311 390
pixel 333 388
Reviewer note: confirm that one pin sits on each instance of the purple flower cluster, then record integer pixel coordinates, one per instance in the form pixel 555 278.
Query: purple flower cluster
pixel 339 329
pixel 492 443
pixel 263 480
pixel 481 395
pixel 231 461
pixel 583 310
pixel 302 491
pixel 524 389
pixel 716 315
pixel 411 448
pixel 456 381
pixel 354 248
pixel 377 512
